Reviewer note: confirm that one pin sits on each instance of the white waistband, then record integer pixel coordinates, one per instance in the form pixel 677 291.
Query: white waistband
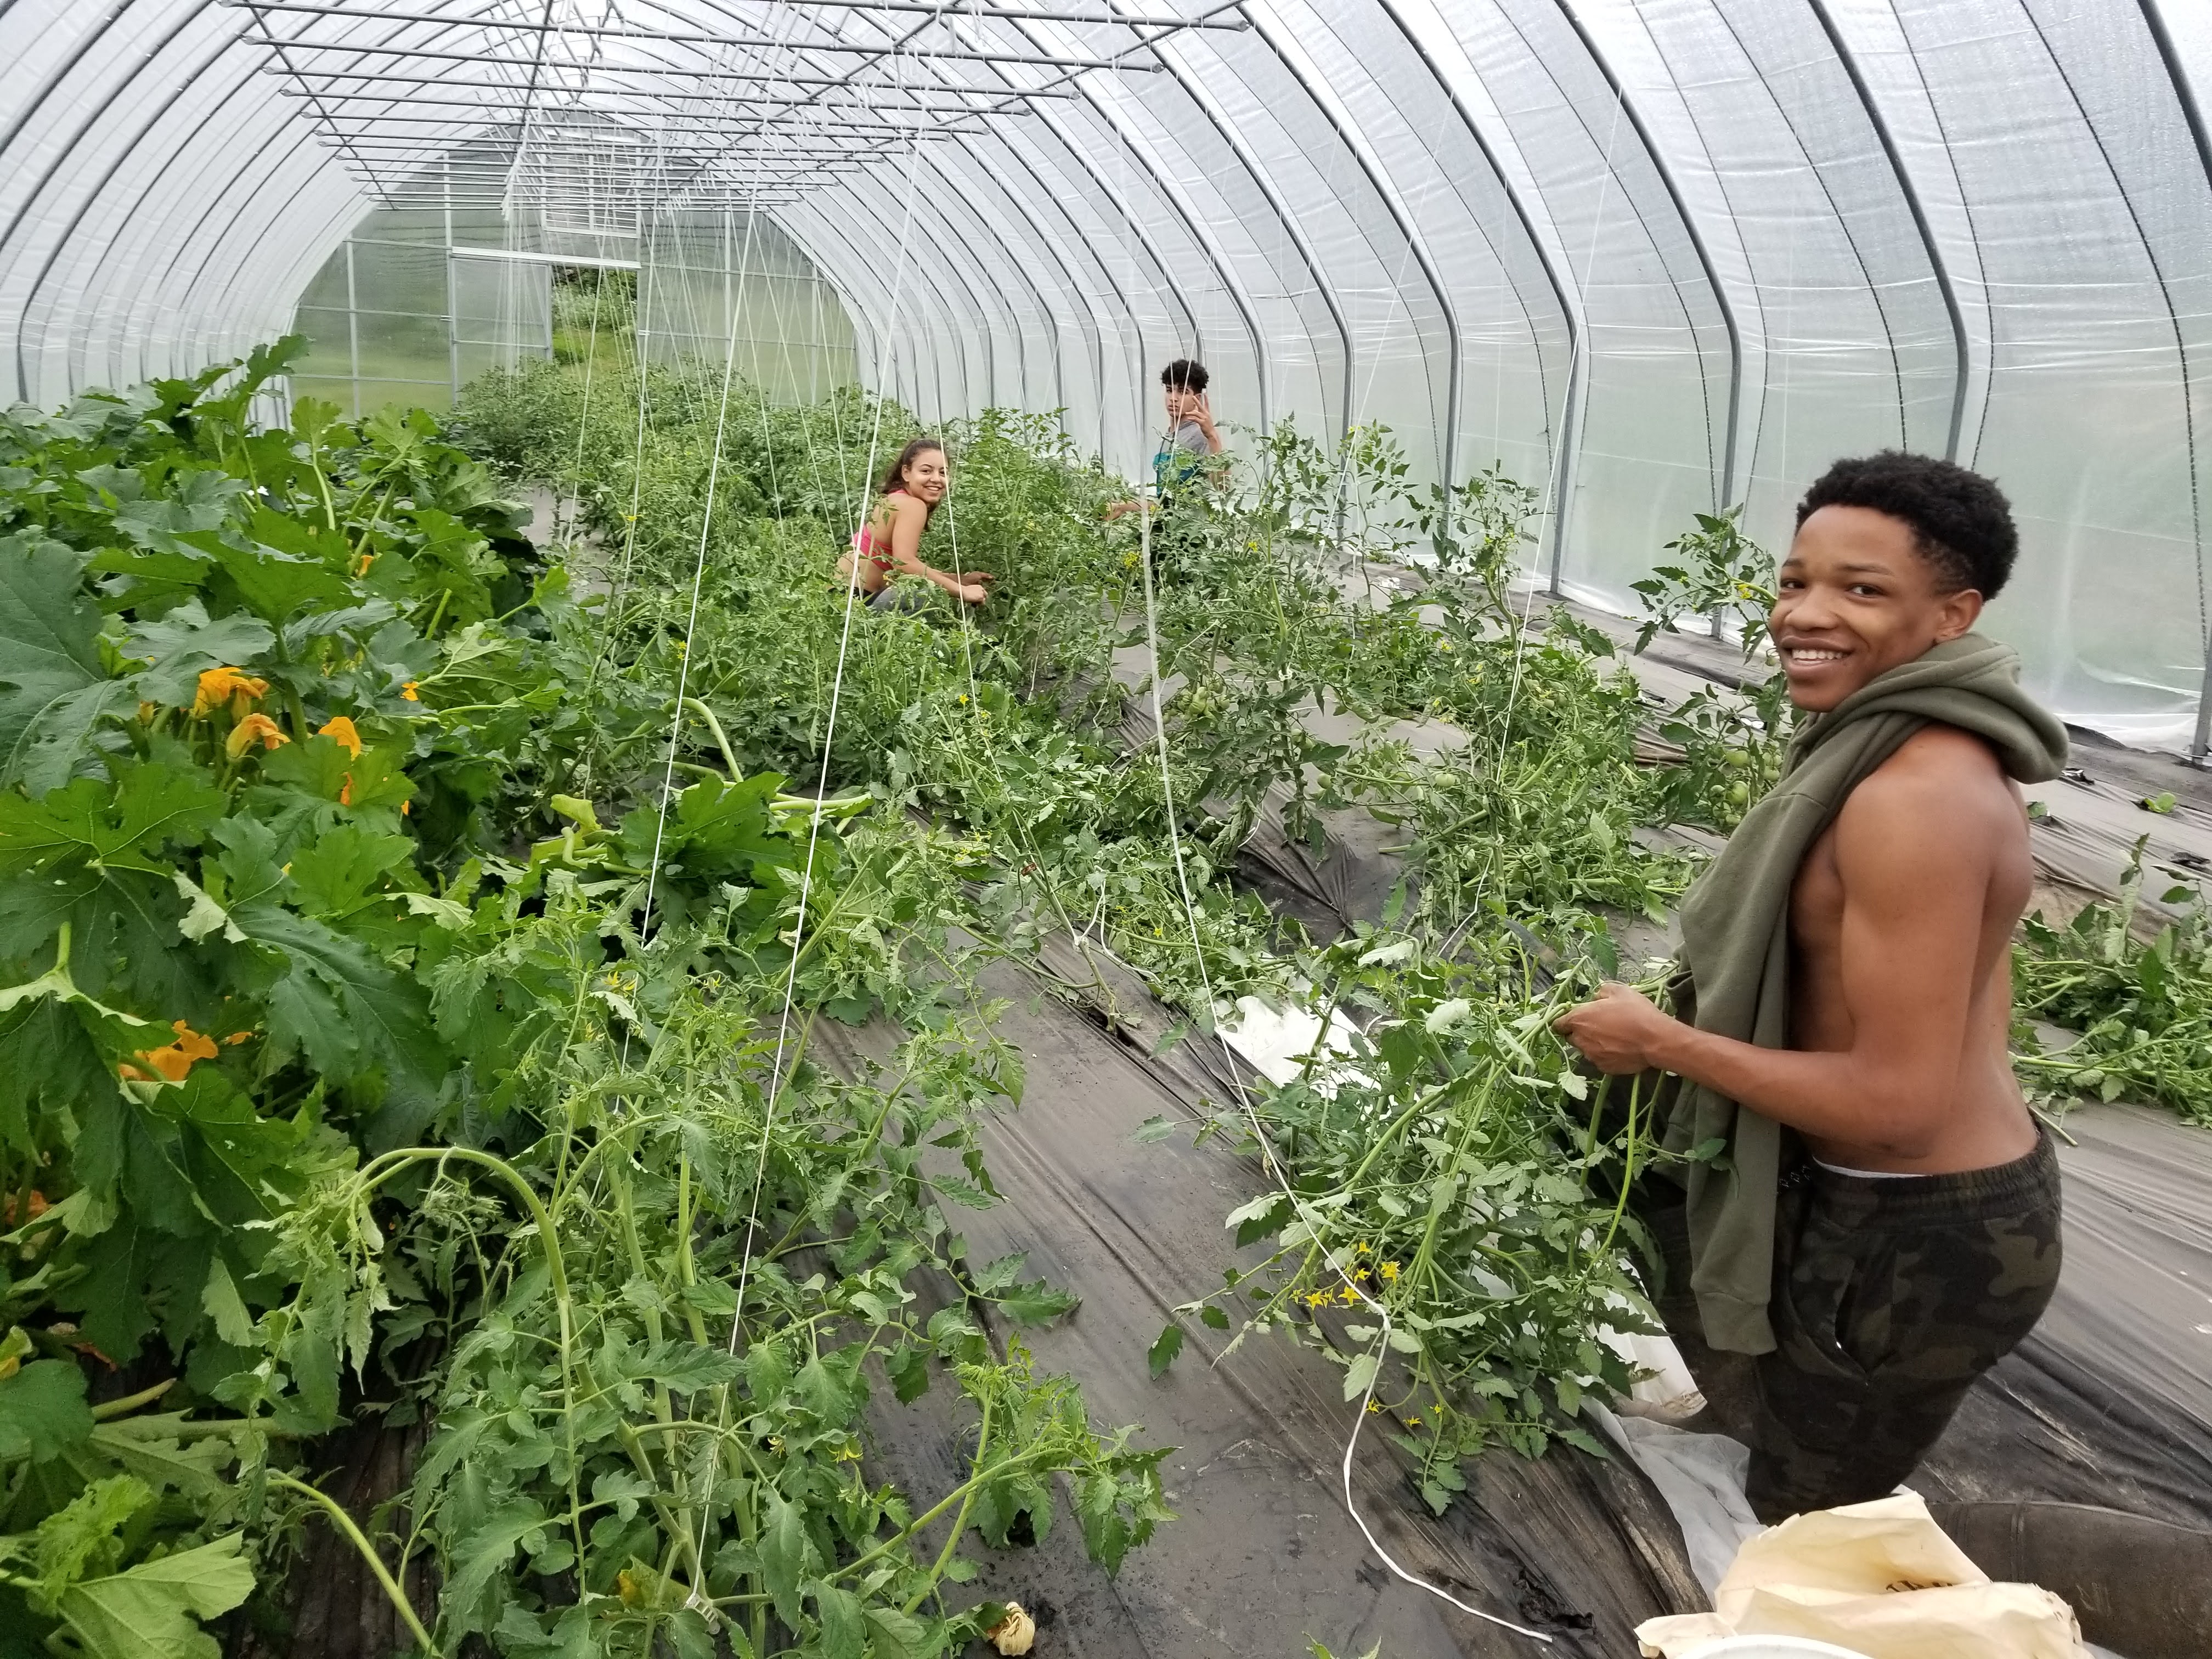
pixel 1869 1174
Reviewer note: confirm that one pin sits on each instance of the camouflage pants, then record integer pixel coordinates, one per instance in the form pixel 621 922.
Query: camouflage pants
pixel 1890 1297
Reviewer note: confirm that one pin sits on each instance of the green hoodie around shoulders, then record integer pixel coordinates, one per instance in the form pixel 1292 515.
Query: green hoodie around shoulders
pixel 1735 979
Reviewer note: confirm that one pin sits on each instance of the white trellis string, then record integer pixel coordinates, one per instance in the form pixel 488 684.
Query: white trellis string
pixel 828 738
pixel 1268 1160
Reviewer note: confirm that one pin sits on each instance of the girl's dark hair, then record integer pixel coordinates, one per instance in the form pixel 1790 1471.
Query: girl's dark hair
pixel 896 476
pixel 905 459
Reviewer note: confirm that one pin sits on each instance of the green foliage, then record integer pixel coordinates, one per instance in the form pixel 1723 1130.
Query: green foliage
pixel 1276 601
pixel 1732 741
pixel 1452 1174
pixel 392 961
pixel 2143 1009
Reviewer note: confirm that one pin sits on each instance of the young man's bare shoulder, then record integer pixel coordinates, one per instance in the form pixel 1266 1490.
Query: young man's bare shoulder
pixel 1940 786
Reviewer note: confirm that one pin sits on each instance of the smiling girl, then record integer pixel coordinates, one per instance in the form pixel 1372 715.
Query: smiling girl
pixel 890 543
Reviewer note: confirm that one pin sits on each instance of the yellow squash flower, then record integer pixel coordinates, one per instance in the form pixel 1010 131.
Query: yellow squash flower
pixel 253 726
pixel 341 729
pixel 174 1059
pixel 408 691
pixel 234 686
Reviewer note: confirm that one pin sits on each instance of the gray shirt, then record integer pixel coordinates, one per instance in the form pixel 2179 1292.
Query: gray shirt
pixel 1178 462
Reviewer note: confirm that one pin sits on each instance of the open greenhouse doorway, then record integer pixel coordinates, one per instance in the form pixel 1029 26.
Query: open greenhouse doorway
pixel 592 318
pixel 420 301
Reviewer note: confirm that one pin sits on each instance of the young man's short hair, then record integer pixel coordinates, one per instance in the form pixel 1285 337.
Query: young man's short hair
pixel 1184 375
pixel 1961 523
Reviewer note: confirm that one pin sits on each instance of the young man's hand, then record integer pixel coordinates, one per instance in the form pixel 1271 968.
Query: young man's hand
pixel 1619 1032
pixel 1201 411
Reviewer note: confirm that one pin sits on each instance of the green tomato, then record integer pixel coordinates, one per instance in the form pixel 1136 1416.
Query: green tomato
pixel 1738 794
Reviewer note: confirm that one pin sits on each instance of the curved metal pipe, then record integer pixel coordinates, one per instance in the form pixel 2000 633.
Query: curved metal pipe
pixel 1170 192
pixel 1284 216
pixel 1387 193
pixel 1568 298
pixel 1914 205
pixel 1697 242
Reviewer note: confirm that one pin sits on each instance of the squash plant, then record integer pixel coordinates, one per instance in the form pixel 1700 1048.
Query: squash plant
pixel 387 1011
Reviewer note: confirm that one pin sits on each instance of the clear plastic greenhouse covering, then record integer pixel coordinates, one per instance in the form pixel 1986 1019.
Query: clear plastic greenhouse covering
pixel 1658 257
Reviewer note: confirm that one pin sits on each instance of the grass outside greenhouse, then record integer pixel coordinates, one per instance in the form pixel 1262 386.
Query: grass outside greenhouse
pixel 418 945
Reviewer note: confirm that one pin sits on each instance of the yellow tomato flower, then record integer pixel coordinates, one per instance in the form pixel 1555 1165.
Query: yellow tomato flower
pixel 1389 1271
pixel 342 729
pixel 234 686
pixel 253 726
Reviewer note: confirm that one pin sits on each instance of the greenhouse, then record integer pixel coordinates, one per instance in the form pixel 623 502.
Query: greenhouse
pixel 874 829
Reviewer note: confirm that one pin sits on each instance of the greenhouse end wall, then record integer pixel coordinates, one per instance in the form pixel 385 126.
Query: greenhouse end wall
pixel 416 303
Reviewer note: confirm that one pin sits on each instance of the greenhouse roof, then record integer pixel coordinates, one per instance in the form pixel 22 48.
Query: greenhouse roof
pixel 1660 257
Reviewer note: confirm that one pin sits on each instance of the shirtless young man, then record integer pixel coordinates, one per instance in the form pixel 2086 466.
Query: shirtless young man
pixel 1916 1240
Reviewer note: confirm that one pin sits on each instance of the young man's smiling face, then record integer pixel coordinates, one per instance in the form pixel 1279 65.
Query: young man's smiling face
pixel 1856 598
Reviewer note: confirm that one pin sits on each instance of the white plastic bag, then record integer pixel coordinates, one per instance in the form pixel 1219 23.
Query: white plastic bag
pixel 1882 1579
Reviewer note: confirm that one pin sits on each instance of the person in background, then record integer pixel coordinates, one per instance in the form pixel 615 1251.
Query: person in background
pixel 889 544
pixel 1882 1226
pixel 1191 438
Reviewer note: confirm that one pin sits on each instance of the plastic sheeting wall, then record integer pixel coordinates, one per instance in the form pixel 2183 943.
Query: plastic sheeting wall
pixel 1654 255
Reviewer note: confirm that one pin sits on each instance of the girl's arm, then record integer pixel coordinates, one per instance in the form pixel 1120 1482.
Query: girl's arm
pixel 908 517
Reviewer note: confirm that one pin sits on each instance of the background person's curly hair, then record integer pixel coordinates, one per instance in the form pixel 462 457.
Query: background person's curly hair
pixel 1184 375
pixel 1961 522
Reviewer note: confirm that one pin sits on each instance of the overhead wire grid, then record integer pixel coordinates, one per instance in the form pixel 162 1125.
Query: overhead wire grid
pixel 575 105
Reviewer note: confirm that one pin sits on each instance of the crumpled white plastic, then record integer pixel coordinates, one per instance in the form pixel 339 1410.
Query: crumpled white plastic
pixel 1881 1579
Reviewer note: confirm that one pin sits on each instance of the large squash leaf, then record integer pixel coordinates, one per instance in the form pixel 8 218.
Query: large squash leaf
pixel 49 646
